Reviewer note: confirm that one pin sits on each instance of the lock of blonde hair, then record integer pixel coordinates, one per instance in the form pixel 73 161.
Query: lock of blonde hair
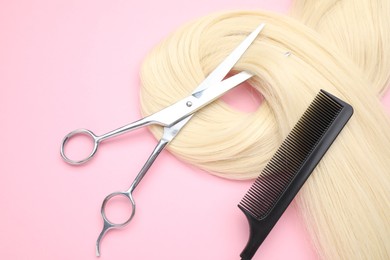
pixel 346 201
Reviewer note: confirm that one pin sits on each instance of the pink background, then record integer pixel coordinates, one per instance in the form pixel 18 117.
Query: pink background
pixel 69 64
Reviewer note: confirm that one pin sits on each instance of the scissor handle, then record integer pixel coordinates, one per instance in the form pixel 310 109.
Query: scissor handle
pixel 127 195
pixel 107 224
pixel 81 131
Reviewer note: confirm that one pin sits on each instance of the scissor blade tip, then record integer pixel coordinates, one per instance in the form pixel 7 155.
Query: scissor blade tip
pixel 261 26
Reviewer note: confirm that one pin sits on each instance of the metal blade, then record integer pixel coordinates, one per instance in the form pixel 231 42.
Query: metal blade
pixel 209 90
pixel 211 94
pixel 189 105
pixel 227 64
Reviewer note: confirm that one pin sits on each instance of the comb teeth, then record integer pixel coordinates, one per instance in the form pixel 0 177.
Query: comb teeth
pixel 291 156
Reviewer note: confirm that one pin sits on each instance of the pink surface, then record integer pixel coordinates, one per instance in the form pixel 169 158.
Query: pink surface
pixel 69 64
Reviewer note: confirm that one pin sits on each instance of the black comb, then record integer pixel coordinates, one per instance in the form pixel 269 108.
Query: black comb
pixel 291 165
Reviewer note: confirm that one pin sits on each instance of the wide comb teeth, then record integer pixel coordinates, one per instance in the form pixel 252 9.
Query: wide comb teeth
pixel 291 156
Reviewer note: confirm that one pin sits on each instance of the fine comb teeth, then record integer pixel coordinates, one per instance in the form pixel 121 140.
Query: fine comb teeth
pixel 291 165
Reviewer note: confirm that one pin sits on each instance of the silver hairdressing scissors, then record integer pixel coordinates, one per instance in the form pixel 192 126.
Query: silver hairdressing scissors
pixel 172 118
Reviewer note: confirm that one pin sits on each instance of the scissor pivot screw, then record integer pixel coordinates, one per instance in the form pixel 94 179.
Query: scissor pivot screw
pixel 189 103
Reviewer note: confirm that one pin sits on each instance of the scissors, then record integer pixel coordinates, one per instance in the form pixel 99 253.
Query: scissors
pixel 173 118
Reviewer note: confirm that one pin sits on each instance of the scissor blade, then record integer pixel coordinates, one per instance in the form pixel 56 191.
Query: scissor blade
pixel 189 105
pixel 170 132
pixel 210 89
pixel 208 95
pixel 227 64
